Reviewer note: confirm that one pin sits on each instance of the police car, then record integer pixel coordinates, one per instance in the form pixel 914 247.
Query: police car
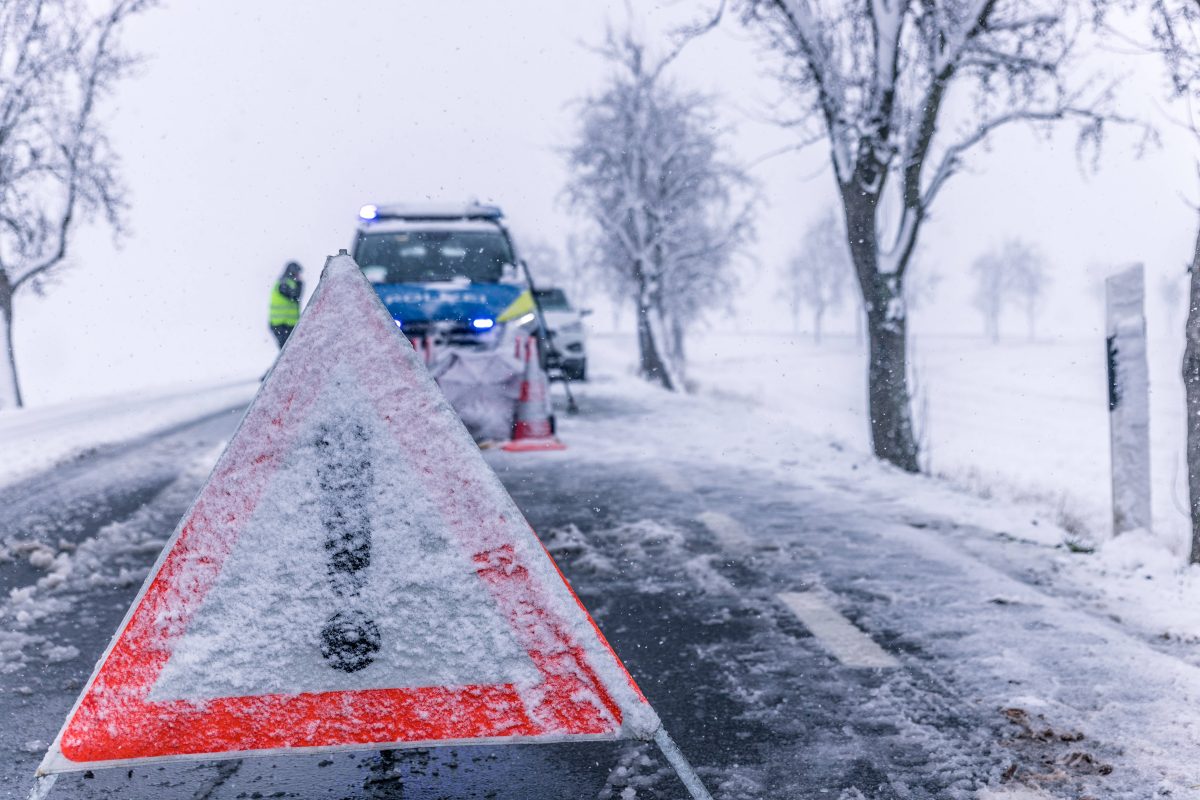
pixel 452 280
pixel 448 273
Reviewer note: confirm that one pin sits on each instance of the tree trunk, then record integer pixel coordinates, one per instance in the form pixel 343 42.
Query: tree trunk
pixel 10 388
pixel 817 314
pixel 888 399
pixel 654 364
pixel 991 327
pixel 887 384
pixel 1191 389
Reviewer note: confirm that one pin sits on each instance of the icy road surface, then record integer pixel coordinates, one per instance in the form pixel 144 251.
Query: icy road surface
pixel 807 624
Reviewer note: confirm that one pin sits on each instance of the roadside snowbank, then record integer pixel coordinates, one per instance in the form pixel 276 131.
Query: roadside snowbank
pixel 36 439
pixel 1138 580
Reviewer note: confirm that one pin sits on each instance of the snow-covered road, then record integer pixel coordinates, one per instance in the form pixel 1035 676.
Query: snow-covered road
pixel 806 622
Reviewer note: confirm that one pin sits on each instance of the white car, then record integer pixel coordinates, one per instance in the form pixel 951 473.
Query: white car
pixel 564 327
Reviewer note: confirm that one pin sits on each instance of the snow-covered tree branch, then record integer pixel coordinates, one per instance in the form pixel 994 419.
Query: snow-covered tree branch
pixel 58 60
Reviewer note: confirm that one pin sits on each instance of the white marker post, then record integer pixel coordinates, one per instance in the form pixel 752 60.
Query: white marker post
pixel 1128 400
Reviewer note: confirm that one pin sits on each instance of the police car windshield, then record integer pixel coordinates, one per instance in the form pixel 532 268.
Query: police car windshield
pixel 427 256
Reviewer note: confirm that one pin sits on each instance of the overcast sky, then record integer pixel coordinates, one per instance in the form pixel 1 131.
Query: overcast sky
pixel 256 130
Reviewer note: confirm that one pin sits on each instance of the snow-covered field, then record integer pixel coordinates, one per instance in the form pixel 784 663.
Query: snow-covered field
pixel 38 438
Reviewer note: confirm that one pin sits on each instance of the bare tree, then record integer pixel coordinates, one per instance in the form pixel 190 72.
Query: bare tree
pixel 872 79
pixel 1028 279
pixel 58 60
pixel 817 275
pixel 990 292
pixel 1013 273
pixel 649 171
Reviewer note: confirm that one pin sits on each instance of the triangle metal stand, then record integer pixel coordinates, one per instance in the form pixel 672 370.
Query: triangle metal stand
pixel 679 763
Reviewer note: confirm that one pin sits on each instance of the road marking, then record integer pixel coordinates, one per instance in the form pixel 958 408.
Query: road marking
pixel 725 528
pixel 836 633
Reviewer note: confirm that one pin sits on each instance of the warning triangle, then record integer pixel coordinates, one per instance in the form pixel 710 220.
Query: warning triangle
pixel 352 575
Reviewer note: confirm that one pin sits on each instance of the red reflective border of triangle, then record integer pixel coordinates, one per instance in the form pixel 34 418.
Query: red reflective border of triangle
pixel 116 721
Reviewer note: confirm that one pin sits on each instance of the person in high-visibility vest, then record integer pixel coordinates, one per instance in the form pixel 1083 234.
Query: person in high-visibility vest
pixel 285 302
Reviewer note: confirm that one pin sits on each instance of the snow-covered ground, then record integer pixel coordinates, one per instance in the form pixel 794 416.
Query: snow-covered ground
pixel 42 438
pixel 38 438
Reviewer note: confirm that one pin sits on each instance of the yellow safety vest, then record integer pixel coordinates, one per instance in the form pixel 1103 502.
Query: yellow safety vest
pixel 283 310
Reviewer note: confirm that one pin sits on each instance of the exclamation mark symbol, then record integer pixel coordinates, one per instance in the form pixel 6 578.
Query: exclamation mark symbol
pixel 350 639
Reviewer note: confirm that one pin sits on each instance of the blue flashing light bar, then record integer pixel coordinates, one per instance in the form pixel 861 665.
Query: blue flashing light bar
pixel 368 212
pixel 482 324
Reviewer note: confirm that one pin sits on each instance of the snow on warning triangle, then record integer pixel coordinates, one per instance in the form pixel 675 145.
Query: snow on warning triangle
pixel 412 609
pixel 352 575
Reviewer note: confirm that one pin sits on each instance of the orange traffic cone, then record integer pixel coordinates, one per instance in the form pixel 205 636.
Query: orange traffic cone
pixel 533 428
pixel 424 347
